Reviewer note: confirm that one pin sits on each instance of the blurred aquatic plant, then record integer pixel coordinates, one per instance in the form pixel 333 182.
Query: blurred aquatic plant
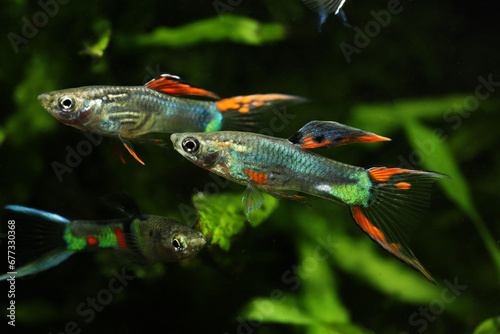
pixel 305 64
pixel 489 326
pixel 430 149
pixel 102 29
pixel 29 120
pixel 222 216
pixel 236 29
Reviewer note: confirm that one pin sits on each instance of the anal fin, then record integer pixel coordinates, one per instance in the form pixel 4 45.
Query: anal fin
pixel 130 149
pixel 291 196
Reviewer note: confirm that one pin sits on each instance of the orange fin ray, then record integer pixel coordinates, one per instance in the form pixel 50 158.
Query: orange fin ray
pixel 249 103
pixel 243 112
pixel 118 152
pixel 326 134
pixel 398 250
pixel 291 196
pixel 398 197
pixel 173 85
pixel 130 149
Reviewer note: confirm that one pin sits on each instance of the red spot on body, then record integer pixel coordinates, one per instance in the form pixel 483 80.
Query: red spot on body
pixel 259 178
pixel 120 238
pixel 92 241
pixel 403 185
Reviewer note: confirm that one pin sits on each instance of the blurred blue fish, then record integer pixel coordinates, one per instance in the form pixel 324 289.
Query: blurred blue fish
pixel 325 8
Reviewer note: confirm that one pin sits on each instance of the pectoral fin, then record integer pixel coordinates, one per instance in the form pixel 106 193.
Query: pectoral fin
pixel 252 200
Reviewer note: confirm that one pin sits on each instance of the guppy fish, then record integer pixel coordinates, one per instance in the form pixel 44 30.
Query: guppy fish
pixel 159 106
pixel 325 8
pixel 137 240
pixel 381 199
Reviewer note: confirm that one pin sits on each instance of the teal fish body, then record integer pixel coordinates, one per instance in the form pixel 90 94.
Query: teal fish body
pixel 129 112
pixel 138 240
pixel 381 199
pixel 162 105
pixel 275 165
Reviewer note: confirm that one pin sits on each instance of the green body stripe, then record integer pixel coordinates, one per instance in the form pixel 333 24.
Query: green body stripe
pixel 354 194
pixel 78 232
pixel 215 124
pixel 74 243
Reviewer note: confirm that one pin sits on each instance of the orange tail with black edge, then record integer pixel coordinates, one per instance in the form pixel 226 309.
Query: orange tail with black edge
pixel 398 197
pixel 240 112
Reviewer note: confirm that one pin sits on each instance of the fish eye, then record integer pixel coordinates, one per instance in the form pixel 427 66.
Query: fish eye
pixel 178 244
pixel 190 145
pixel 67 103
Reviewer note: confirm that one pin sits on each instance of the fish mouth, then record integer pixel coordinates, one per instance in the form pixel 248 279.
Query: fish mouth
pixel 44 100
pixel 199 242
pixel 176 138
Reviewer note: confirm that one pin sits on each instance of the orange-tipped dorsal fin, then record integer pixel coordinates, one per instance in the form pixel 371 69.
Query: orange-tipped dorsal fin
pixel 173 85
pixel 327 134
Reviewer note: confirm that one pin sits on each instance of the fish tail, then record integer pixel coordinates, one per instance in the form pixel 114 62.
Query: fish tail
pixel 241 112
pixel 40 242
pixel 397 197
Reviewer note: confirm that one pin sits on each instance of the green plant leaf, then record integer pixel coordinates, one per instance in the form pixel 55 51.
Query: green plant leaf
pixel 236 29
pixel 30 119
pixel 387 117
pixel 102 28
pixel 222 215
pixel 437 156
pixel 285 310
pixel 318 305
pixel 489 326
pixel 362 258
pixel 320 297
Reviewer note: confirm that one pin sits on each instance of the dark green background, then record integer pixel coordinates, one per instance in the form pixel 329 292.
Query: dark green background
pixel 430 52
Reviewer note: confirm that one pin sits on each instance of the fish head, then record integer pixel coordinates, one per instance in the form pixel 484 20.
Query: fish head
pixel 208 150
pixel 73 106
pixel 180 242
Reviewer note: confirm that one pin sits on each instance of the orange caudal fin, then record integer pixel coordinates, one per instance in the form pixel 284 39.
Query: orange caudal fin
pixel 398 198
pixel 173 85
pixel 400 251
pixel 240 112
pixel 327 134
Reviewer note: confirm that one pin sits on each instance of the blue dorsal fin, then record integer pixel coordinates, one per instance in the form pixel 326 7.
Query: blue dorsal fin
pixel 37 213
pixel 326 134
